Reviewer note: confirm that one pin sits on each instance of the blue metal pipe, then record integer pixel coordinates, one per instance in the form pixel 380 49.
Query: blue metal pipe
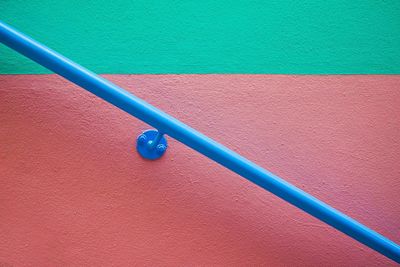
pixel 194 139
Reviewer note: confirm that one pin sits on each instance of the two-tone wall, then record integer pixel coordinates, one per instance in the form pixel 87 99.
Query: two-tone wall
pixel 310 91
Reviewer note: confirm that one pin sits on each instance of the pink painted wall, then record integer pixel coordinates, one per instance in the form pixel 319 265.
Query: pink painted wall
pixel 74 192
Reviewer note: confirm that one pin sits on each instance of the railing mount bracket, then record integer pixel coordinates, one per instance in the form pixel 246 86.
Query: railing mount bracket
pixel 151 144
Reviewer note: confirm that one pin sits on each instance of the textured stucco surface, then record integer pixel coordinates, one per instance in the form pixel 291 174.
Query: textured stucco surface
pixel 74 192
pixel 208 36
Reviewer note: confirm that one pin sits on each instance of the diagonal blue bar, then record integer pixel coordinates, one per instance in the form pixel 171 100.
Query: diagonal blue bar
pixel 194 139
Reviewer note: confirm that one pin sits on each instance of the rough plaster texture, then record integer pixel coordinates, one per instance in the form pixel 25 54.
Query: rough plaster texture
pixel 208 36
pixel 73 191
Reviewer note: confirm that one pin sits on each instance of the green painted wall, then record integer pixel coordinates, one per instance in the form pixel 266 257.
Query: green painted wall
pixel 204 36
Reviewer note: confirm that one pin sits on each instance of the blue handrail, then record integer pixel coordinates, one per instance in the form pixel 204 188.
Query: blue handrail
pixel 194 139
